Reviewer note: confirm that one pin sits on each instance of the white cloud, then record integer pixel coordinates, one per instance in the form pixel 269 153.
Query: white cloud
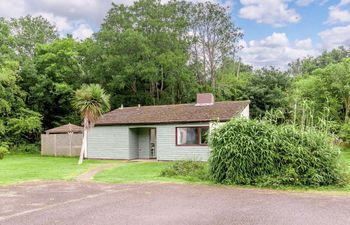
pixel 273 12
pixel 12 8
pixel 92 10
pixel 83 31
pixel 305 43
pixel 62 23
pixel 338 15
pixel 275 40
pixel 304 2
pixel 338 35
pixel 275 50
pixel 344 2
pixel 335 37
pixel 79 29
pixel 76 17
pixel 67 15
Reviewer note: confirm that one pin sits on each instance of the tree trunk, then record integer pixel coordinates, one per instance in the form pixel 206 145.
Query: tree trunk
pixel 84 144
pixel 347 105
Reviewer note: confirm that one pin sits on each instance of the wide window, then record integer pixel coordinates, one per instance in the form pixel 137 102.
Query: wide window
pixel 192 135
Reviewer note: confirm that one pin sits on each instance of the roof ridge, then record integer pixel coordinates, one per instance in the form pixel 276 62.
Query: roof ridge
pixel 174 112
pixel 65 127
pixel 172 105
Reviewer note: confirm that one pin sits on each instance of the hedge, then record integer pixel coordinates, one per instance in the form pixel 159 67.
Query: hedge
pixel 259 153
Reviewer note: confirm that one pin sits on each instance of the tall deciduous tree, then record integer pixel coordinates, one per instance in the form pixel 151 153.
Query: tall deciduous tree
pixel 143 54
pixel 30 31
pixel 214 39
pixel 91 101
pixel 327 88
pixel 59 74
pixel 267 90
pixel 309 64
pixel 17 122
pixel 233 79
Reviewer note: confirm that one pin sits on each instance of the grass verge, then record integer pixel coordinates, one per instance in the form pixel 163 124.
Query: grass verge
pixel 140 172
pixel 30 167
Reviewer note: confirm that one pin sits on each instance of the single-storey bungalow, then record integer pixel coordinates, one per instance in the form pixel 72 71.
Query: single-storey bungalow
pixel 163 132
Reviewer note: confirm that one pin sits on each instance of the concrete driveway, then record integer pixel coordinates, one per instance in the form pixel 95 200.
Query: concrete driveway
pixel 91 203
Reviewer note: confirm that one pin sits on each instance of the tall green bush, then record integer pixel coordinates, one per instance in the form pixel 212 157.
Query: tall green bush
pixel 344 132
pixel 3 151
pixel 260 153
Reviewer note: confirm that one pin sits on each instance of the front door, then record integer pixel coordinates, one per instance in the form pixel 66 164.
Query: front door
pixel 152 143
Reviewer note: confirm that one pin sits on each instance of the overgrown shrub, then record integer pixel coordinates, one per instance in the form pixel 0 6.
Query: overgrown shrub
pixel 3 151
pixel 344 132
pixel 193 170
pixel 27 148
pixel 259 153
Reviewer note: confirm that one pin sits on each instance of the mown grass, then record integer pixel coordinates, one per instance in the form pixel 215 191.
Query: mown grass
pixel 140 172
pixel 345 155
pixel 31 167
pixel 28 167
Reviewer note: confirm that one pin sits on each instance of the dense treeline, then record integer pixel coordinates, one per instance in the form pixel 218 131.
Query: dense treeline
pixel 152 53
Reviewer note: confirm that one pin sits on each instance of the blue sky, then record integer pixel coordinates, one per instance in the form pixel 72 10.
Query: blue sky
pixel 275 31
pixel 311 22
pixel 308 26
pixel 279 31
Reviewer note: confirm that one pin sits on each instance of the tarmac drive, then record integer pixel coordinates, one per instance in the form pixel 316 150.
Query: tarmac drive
pixel 89 203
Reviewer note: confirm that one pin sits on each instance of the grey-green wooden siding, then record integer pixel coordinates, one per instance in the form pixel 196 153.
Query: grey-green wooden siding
pixel 126 142
pixel 167 149
pixel 109 142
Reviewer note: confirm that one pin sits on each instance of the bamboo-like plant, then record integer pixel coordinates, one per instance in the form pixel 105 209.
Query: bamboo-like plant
pixel 304 115
pixel 91 101
pixel 262 153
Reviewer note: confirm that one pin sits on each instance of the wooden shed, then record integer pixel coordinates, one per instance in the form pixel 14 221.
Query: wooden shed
pixel 64 140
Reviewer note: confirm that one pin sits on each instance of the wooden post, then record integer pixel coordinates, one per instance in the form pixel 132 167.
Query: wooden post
pixel 70 143
pixel 54 142
pixel 86 143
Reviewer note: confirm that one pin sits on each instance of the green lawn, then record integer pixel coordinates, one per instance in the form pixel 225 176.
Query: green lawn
pixel 133 172
pixel 28 167
pixel 151 172
pixel 346 157
pixel 19 168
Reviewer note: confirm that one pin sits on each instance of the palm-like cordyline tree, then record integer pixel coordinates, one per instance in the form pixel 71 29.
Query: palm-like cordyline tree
pixel 91 101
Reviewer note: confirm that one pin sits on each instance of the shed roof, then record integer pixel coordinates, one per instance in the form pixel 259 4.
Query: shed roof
pixel 65 129
pixel 180 113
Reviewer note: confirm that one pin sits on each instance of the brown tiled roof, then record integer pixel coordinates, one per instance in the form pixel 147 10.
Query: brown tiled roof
pixel 65 129
pixel 181 113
